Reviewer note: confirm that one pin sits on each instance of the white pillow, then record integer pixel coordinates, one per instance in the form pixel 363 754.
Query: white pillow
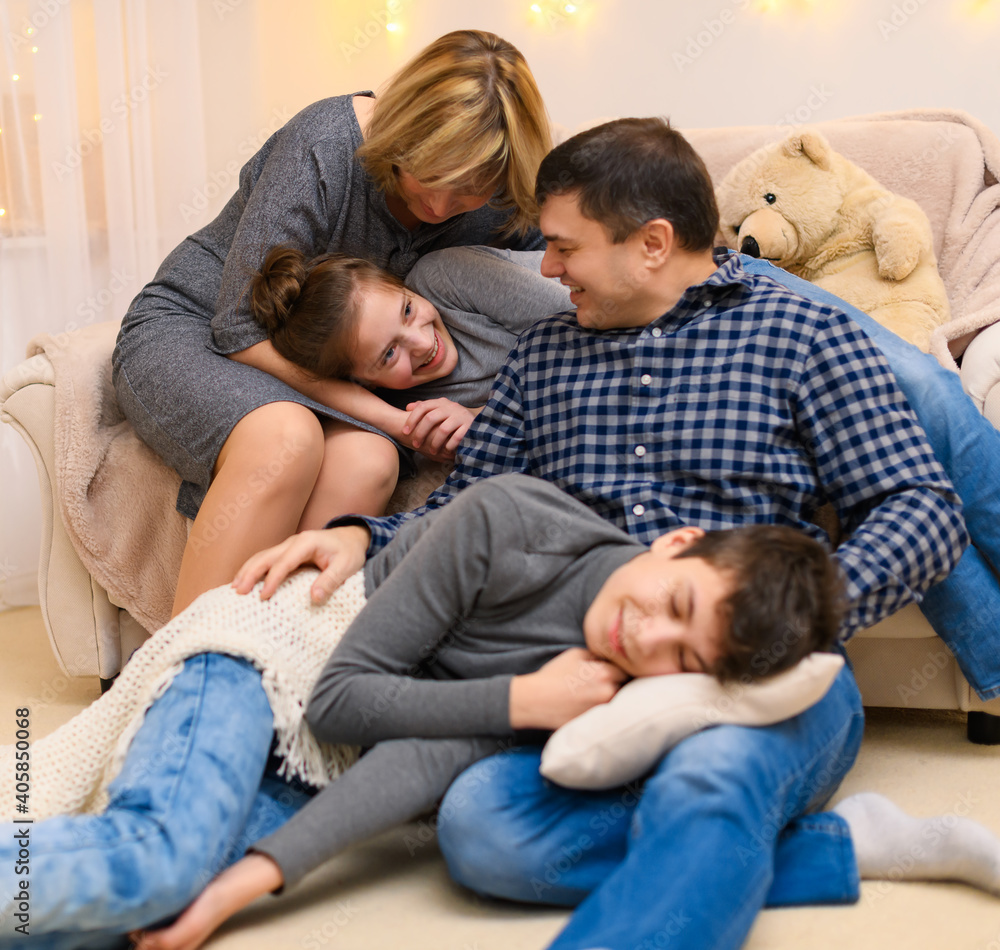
pixel 619 741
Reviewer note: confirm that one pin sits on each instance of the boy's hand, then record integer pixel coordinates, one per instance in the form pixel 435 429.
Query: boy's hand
pixel 436 426
pixel 337 552
pixel 565 687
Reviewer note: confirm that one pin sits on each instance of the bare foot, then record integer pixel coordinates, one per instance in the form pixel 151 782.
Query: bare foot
pixel 232 890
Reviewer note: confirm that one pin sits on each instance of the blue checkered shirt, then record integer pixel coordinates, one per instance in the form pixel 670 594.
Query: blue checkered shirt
pixel 744 403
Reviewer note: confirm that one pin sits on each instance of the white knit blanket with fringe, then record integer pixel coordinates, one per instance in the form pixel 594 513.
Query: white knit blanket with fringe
pixel 286 637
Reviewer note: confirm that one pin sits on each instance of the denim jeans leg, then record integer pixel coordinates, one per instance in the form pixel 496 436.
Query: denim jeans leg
pixel 175 815
pixel 813 849
pixel 965 443
pixel 506 831
pixel 712 835
pixel 966 613
pixel 964 610
pixel 701 855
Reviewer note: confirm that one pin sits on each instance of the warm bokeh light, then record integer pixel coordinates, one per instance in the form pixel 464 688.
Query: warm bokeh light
pixel 980 9
pixel 551 12
pixel 780 6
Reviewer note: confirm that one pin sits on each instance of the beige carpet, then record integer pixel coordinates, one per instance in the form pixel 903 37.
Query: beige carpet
pixel 382 897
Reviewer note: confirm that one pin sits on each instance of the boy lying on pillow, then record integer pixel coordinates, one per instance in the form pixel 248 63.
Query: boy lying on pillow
pixel 515 607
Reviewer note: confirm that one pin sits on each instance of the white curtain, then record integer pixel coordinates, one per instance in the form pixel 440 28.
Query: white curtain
pixel 101 143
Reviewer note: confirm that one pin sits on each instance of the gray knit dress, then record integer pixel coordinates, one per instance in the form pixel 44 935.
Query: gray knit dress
pixel 304 188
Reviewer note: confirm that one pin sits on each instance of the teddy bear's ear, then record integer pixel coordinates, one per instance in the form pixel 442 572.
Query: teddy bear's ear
pixel 812 144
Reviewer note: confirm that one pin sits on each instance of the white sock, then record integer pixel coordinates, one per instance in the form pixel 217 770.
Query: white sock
pixel 889 844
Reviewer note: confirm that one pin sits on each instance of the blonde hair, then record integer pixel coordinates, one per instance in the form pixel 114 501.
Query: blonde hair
pixel 311 308
pixel 464 114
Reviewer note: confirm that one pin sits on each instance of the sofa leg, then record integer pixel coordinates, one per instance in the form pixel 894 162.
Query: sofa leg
pixel 983 728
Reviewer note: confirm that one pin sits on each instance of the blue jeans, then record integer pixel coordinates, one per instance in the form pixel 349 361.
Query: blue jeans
pixel 726 824
pixel 192 796
pixel 964 609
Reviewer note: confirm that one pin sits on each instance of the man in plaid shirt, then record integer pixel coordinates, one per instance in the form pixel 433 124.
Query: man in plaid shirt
pixel 685 390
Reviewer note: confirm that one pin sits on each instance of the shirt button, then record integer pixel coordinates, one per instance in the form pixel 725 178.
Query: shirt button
pixel 640 450
pixel 657 331
pixel 707 302
pixel 645 379
pixel 639 509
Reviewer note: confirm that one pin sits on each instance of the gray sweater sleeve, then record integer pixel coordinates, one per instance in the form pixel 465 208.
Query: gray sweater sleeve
pixel 503 286
pixel 392 783
pixel 433 578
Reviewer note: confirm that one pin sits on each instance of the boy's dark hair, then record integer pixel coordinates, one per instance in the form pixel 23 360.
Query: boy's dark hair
pixel 630 171
pixel 787 600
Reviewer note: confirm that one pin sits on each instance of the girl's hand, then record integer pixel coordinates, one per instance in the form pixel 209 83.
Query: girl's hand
pixel 565 687
pixel 436 426
pixel 337 552
pixel 232 890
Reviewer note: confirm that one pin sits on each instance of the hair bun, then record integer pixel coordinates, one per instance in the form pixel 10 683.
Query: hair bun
pixel 276 287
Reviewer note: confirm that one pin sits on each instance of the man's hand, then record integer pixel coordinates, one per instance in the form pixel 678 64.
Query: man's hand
pixel 435 426
pixel 337 552
pixel 565 687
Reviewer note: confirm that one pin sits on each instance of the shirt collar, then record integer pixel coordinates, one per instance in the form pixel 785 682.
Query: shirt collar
pixel 729 277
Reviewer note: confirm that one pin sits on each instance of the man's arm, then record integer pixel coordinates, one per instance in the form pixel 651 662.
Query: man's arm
pixel 899 513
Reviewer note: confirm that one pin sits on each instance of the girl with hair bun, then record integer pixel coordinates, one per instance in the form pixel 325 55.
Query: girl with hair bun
pixel 445 156
pixel 434 353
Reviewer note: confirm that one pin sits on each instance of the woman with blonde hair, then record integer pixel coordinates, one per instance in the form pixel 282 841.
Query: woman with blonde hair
pixel 445 156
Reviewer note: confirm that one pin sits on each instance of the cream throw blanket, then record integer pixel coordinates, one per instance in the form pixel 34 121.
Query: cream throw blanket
pixel 286 637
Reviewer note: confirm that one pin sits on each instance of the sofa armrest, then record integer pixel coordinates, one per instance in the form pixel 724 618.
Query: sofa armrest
pixel 980 372
pixel 85 628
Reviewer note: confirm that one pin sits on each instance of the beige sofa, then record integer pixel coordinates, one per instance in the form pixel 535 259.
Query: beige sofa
pixel 96 612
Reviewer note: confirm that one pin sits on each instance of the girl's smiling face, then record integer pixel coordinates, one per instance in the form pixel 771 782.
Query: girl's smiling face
pixel 401 339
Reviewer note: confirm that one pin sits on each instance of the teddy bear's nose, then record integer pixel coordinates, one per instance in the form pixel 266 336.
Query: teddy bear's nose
pixel 750 246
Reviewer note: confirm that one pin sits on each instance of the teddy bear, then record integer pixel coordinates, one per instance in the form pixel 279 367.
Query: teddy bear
pixel 809 210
